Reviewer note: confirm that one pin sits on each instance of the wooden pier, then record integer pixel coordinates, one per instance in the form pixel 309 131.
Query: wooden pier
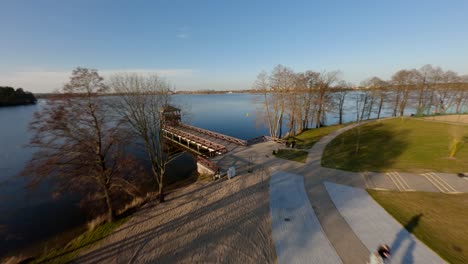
pixel 205 144
pixel 193 142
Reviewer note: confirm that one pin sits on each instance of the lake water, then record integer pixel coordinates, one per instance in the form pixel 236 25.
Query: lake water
pixel 29 216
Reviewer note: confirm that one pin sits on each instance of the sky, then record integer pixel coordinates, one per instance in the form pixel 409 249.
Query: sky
pixel 223 45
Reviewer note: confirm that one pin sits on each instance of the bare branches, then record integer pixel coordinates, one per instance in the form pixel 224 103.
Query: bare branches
pixel 79 141
pixel 295 100
pixel 141 104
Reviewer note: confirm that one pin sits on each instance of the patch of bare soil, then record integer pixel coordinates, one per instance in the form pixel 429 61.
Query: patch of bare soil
pixel 450 118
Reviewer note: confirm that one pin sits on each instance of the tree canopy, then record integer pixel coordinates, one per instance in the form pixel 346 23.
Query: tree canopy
pixel 9 96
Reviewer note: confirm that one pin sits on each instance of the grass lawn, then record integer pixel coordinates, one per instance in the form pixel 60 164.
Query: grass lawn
pixel 308 138
pixel 72 249
pixel 400 144
pixel 442 223
pixel 292 154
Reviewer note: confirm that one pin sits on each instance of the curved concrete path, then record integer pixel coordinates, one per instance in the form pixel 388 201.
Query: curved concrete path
pixel 296 231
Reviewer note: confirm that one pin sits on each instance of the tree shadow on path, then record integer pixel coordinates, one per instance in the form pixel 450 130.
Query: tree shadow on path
pixel 402 236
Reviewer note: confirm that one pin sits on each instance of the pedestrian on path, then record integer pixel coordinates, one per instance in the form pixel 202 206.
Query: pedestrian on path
pixel 382 255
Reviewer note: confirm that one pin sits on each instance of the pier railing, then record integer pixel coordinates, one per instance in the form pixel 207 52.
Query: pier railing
pixel 216 135
pixel 213 146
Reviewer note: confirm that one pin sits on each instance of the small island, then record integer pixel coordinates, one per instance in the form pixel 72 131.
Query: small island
pixel 10 97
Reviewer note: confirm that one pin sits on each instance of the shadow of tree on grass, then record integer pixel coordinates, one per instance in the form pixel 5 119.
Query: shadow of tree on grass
pixel 369 147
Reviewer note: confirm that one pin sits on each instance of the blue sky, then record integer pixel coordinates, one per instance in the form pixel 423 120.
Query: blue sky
pixel 225 44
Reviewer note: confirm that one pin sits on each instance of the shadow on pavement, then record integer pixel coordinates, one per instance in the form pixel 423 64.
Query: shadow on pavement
pixel 403 235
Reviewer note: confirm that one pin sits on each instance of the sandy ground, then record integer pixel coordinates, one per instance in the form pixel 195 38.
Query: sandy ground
pixel 225 221
pixel 450 118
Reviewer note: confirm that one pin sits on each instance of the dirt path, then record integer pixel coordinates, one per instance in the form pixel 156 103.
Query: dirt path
pixel 225 221
pixel 449 118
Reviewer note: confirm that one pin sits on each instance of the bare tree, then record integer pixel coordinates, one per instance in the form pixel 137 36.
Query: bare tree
pixel 403 81
pixel 306 84
pixel 339 97
pixel 141 104
pixel 281 82
pixel 381 87
pixel 461 96
pixel 361 99
pixel 270 111
pixel 323 88
pixel 377 95
pixel 79 142
pixel 446 92
pixel 430 76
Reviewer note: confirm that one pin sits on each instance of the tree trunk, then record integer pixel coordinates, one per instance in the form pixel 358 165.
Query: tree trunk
pixel 110 211
pixel 318 118
pixel 305 122
pixel 161 192
pixel 364 107
pixel 369 112
pixel 380 108
pixel 397 102
pixel 341 115
pixel 280 126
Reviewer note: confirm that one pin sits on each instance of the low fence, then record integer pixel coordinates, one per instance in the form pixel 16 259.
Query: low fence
pixel 256 140
pixel 261 139
pixel 277 140
pixel 208 164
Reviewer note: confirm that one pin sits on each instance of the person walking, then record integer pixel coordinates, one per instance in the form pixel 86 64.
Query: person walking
pixel 382 256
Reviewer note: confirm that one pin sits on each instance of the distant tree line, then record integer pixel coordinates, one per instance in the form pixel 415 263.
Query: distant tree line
pixel 298 101
pixel 9 96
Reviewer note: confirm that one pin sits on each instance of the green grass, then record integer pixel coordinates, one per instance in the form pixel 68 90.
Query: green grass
pixel 292 154
pixel 308 138
pixel 73 248
pixel 439 220
pixel 400 144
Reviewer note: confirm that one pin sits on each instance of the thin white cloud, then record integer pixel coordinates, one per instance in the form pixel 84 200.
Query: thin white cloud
pixel 44 81
pixel 182 35
pixel 161 72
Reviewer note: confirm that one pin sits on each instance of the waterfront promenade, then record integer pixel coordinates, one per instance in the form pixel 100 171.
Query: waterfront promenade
pixel 284 211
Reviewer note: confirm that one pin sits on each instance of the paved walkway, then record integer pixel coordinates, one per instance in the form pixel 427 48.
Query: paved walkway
pixel 374 226
pixel 297 233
